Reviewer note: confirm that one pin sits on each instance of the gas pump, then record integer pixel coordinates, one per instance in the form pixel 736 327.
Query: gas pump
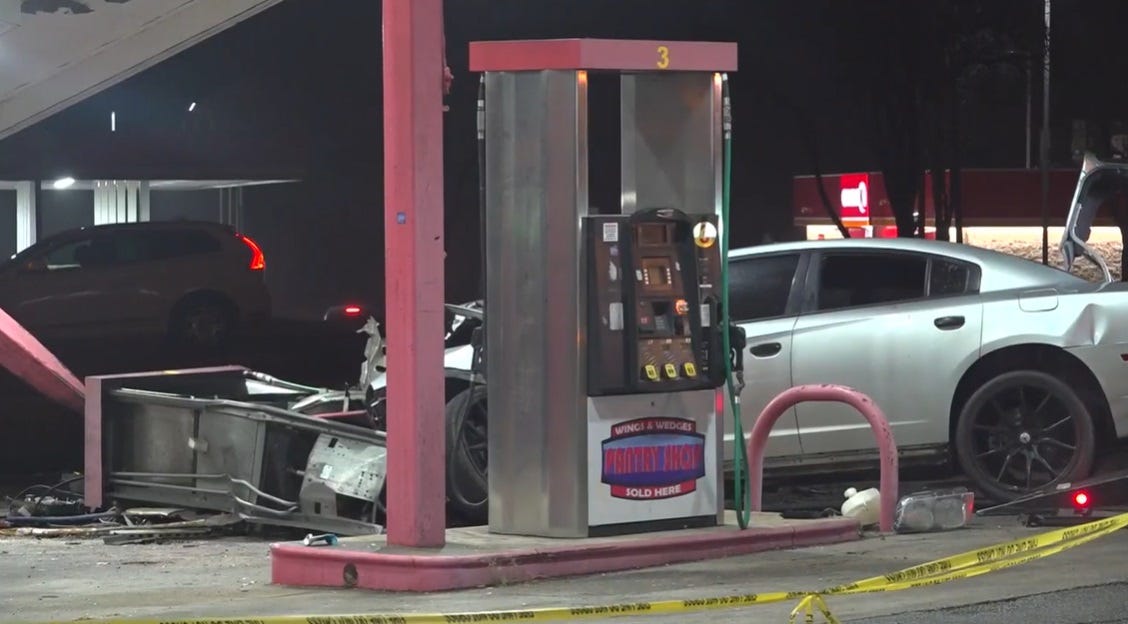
pixel 605 342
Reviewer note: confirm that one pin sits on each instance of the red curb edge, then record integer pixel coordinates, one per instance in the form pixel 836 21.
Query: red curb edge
pixel 298 565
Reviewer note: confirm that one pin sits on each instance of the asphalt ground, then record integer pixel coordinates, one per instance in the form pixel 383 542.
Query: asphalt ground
pixel 69 579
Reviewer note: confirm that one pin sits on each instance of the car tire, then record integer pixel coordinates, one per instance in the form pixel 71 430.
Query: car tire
pixel 467 476
pixel 202 323
pixel 1020 422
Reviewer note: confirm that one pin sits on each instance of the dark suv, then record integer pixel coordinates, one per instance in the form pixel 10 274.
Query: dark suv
pixel 194 281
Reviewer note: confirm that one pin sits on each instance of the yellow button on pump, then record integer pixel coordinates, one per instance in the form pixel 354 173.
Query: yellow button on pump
pixel 651 372
pixel 671 371
pixel 690 369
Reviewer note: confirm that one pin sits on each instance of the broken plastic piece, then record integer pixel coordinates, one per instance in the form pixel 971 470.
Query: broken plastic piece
pixel 934 510
pixel 327 538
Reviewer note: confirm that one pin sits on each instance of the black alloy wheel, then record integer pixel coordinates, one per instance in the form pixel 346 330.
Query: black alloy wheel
pixel 467 420
pixel 1024 431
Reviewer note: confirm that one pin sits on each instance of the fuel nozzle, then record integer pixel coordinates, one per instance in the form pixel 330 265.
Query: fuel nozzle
pixel 738 339
pixel 478 348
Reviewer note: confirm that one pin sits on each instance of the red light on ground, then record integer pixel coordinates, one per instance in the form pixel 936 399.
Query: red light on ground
pixel 258 260
pixel 1081 499
pixel 352 310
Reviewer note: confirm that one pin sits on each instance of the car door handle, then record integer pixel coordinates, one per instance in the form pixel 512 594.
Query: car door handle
pixel 949 322
pixel 766 349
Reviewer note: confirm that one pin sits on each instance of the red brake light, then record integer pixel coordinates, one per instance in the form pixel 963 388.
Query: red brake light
pixel 352 310
pixel 258 260
pixel 1081 499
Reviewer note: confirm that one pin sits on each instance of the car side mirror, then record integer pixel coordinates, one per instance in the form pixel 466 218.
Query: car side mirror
pixel 34 266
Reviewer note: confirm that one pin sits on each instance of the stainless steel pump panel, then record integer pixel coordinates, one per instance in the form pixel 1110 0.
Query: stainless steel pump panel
pixel 602 349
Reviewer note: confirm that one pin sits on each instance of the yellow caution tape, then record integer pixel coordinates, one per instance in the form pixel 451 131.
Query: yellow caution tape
pixel 966 565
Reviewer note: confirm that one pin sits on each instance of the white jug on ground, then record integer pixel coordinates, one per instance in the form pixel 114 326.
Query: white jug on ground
pixel 865 506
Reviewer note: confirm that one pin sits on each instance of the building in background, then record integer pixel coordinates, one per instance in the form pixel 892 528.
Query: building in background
pixel 1001 210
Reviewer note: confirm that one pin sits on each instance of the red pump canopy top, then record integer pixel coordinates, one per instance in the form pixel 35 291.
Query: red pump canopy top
pixel 602 54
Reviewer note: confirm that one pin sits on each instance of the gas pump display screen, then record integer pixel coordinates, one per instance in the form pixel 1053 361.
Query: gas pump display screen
pixel 648 234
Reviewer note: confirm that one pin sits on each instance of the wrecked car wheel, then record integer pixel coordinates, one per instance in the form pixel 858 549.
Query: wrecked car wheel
pixel 467 457
pixel 1023 431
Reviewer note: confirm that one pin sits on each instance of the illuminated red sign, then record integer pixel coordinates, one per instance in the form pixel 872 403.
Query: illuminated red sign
pixel 854 195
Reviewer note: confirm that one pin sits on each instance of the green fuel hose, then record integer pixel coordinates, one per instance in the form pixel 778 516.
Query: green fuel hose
pixel 741 493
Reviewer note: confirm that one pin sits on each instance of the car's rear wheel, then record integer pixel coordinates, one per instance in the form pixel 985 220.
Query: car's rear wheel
pixel 203 322
pixel 1022 431
pixel 467 456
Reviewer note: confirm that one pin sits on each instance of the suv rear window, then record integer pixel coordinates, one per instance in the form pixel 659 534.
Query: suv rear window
pixel 159 244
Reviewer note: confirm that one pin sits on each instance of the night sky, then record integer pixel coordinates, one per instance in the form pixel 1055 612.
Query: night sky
pixel 296 91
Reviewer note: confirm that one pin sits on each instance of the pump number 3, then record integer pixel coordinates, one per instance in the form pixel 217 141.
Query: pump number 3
pixel 663 57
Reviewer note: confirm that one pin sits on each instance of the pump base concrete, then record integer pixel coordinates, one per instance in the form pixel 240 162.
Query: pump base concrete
pixel 473 557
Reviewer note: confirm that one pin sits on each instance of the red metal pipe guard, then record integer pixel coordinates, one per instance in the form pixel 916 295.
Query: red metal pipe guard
pixel 826 392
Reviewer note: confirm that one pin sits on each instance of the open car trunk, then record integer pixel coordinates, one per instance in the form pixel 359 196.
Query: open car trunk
pixel 1098 182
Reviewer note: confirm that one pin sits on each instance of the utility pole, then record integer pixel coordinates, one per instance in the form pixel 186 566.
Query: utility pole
pixel 413 249
pixel 1029 97
pixel 1044 143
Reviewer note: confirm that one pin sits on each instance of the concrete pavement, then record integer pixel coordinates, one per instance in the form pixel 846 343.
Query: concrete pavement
pixel 1102 604
pixel 72 579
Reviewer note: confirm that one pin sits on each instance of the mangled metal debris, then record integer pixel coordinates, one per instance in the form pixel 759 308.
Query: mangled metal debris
pixel 226 440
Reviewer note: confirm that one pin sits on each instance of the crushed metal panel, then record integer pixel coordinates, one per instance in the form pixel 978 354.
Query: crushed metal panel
pixel 158 443
pixel 347 467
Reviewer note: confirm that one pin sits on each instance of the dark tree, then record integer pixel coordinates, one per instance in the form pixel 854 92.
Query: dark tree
pixel 912 61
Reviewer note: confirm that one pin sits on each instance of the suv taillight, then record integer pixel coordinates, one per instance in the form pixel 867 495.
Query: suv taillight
pixel 258 260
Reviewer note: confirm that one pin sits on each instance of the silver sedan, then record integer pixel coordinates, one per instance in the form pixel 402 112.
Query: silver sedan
pixel 1018 369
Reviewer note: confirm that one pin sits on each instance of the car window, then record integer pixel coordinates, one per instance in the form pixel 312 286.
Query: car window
pixel 759 287
pixel 152 245
pixel 62 257
pixel 181 243
pixel 850 280
pixel 88 252
pixel 951 278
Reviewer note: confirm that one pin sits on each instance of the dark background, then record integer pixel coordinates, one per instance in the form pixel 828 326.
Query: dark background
pixel 296 92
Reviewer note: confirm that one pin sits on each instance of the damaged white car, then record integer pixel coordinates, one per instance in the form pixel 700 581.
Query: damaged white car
pixel 465 392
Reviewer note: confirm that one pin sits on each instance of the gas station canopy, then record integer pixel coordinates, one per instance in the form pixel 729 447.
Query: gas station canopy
pixel 55 53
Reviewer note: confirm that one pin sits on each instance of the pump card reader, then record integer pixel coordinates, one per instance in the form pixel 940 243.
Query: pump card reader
pixel 654 303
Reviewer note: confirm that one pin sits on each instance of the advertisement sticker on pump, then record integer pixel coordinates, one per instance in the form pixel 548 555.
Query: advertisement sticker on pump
pixel 653 458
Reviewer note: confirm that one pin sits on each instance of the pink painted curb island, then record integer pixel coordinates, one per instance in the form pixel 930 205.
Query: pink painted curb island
pixel 826 392
pixel 423 570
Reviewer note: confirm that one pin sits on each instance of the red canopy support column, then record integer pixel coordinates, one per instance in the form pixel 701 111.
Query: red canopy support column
pixel 413 227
